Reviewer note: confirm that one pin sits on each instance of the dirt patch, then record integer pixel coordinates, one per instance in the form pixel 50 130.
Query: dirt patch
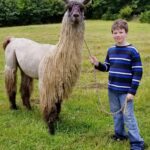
pixel 94 86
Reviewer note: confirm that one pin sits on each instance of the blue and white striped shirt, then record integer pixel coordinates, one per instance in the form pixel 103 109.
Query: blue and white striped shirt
pixel 125 68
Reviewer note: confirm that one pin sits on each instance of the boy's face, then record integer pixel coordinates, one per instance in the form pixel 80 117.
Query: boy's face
pixel 119 36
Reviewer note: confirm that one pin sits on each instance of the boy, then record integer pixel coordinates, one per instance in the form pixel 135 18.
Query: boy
pixel 125 72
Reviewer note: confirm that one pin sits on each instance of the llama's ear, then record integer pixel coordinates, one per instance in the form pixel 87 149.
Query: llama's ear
pixel 86 2
pixel 66 1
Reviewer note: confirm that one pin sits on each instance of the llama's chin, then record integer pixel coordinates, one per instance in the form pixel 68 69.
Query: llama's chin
pixel 75 21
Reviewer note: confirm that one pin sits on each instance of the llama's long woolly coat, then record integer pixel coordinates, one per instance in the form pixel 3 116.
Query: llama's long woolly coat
pixel 60 71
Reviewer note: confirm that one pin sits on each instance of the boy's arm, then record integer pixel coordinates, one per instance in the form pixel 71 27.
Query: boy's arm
pixel 137 72
pixel 103 66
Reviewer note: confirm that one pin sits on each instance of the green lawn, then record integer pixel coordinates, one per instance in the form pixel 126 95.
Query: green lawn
pixel 82 125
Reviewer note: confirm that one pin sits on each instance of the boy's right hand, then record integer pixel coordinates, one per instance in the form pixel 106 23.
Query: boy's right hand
pixel 94 60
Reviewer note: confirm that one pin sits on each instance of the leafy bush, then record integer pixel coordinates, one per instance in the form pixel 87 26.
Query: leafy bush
pixel 97 9
pixel 109 16
pixel 22 12
pixel 145 17
pixel 126 12
pixel 9 13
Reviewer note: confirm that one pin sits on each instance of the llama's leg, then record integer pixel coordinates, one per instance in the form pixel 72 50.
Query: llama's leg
pixel 26 89
pixel 58 107
pixel 50 118
pixel 53 117
pixel 10 84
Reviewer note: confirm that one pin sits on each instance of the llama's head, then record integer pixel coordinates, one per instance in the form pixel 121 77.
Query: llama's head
pixel 75 10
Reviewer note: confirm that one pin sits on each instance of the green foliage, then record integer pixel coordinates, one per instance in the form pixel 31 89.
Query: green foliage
pixel 140 6
pixel 112 9
pixel 37 11
pixel 21 12
pixel 126 12
pixel 9 13
pixel 109 16
pixel 98 8
pixel 145 17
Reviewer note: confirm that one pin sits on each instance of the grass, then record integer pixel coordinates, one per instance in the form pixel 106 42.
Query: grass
pixel 82 125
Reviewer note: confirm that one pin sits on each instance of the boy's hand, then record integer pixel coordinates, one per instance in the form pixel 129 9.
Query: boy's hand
pixel 130 97
pixel 94 60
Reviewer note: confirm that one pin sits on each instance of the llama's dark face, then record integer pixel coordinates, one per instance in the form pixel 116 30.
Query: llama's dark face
pixel 75 12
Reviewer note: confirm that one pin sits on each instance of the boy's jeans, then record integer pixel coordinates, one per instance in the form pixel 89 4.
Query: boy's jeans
pixel 128 119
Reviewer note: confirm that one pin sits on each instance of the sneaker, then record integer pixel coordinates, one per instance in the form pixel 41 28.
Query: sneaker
pixel 134 146
pixel 119 137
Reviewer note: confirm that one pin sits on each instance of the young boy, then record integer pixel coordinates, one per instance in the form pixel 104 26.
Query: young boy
pixel 125 72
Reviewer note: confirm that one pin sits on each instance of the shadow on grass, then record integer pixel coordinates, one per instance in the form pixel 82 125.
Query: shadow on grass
pixel 72 126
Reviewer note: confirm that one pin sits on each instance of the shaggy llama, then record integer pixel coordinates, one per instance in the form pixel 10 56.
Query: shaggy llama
pixel 56 66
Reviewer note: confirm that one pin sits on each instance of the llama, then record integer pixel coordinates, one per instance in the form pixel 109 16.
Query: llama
pixel 57 67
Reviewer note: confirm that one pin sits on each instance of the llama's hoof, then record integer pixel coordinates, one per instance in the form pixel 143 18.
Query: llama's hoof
pixel 14 107
pixel 57 118
pixel 29 108
pixel 51 128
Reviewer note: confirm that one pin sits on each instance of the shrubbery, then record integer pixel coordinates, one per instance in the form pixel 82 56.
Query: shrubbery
pixel 145 16
pixel 125 13
pixel 22 12
pixel 113 9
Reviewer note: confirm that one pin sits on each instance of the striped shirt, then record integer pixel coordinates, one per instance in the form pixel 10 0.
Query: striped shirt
pixel 125 68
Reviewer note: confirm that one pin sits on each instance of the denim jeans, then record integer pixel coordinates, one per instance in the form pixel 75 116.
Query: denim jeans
pixel 125 120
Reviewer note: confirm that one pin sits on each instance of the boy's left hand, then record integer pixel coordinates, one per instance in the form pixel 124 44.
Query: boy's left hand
pixel 130 97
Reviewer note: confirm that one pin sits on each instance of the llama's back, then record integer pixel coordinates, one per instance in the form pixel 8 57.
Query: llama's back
pixel 28 54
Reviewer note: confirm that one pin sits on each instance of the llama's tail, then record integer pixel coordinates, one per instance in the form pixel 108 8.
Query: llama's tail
pixel 10 80
pixel 6 42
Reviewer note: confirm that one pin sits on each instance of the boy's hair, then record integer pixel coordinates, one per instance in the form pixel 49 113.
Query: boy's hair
pixel 120 24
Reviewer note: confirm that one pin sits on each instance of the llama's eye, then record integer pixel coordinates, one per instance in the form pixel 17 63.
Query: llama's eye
pixel 81 9
pixel 69 8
